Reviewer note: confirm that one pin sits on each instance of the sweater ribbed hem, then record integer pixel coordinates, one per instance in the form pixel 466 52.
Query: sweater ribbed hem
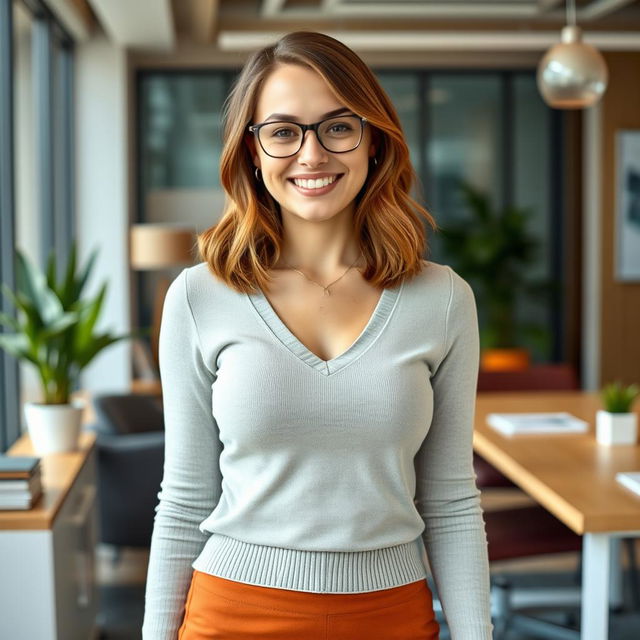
pixel 316 571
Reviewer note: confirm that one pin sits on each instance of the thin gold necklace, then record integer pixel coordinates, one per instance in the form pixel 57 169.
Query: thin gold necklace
pixel 326 289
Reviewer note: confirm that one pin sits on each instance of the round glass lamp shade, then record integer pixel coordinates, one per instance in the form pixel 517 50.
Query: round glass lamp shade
pixel 572 74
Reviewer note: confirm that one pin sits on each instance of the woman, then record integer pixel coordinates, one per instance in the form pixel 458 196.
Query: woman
pixel 319 382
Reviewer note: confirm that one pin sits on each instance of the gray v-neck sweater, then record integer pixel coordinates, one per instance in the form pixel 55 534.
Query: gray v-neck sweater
pixel 284 470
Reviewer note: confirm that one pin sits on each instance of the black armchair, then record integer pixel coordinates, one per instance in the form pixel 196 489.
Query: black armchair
pixel 130 455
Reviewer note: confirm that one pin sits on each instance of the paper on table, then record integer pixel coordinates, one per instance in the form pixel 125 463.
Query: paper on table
pixel 530 423
pixel 630 479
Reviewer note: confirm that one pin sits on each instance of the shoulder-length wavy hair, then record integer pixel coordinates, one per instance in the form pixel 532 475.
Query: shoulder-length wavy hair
pixel 247 240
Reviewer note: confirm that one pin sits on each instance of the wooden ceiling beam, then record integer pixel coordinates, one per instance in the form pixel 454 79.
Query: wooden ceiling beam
pixel 201 18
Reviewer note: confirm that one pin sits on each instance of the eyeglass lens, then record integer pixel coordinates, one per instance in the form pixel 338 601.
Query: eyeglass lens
pixel 337 134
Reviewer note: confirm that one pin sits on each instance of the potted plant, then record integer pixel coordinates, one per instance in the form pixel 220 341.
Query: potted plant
pixel 494 252
pixel 616 423
pixel 55 332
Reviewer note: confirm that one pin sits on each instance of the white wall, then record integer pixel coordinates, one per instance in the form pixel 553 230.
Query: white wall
pixel 101 199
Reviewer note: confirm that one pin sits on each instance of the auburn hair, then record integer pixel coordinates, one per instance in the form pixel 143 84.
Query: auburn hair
pixel 246 242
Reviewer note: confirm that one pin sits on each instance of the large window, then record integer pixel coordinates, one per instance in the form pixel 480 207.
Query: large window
pixel 36 209
pixel 181 137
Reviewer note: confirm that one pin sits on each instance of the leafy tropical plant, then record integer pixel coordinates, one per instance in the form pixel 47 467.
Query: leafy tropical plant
pixel 494 252
pixel 55 330
pixel 618 398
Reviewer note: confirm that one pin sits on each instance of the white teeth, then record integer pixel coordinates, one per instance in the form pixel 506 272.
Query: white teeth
pixel 314 184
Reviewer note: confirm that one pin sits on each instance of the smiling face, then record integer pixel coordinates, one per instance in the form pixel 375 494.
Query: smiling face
pixel 300 95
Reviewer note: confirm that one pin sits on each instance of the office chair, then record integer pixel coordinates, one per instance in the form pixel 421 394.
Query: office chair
pixel 130 459
pixel 524 532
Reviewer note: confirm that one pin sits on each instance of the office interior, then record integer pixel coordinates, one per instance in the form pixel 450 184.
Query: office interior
pixel 111 131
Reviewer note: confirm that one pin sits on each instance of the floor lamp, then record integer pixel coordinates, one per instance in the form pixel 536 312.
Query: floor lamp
pixel 160 247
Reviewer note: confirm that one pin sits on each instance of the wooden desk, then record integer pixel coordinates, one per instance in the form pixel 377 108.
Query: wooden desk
pixel 573 477
pixel 59 473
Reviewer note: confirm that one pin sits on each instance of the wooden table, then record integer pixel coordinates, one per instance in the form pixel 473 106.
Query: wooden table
pixel 573 477
pixel 59 473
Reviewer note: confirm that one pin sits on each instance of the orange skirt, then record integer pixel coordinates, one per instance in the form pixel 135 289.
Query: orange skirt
pixel 221 609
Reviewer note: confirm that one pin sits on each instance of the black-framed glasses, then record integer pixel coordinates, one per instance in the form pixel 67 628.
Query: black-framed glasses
pixel 281 139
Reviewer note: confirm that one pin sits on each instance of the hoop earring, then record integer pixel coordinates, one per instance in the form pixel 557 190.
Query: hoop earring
pixel 258 177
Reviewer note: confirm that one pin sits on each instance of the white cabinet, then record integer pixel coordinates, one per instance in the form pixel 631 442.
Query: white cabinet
pixel 47 554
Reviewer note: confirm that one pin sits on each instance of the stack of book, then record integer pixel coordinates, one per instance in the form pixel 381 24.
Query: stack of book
pixel 20 482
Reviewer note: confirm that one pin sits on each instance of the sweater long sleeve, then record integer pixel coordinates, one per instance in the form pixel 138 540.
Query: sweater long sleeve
pixel 288 471
pixel 191 484
pixel 446 492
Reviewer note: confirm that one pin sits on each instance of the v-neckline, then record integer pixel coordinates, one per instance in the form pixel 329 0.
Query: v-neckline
pixel 373 328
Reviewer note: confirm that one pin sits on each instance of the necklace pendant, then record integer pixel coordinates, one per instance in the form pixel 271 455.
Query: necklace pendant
pixel 326 291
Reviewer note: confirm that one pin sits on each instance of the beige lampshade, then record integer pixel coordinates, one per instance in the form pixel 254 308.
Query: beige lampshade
pixel 161 246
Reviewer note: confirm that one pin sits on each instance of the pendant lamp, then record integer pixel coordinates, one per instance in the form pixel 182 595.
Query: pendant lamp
pixel 572 74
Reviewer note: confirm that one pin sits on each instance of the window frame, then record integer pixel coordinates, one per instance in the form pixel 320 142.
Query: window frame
pixel 57 223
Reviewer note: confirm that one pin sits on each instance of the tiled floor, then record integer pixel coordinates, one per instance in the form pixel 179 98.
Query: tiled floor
pixel 122 583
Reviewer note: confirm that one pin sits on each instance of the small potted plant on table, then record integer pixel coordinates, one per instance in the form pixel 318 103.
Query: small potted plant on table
pixel 54 333
pixel 616 423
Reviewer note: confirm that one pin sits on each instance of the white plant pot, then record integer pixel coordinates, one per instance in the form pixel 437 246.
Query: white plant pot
pixel 616 428
pixel 54 428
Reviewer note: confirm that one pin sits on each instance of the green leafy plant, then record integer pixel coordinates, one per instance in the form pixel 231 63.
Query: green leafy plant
pixel 618 398
pixel 494 252
pixel 55 330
